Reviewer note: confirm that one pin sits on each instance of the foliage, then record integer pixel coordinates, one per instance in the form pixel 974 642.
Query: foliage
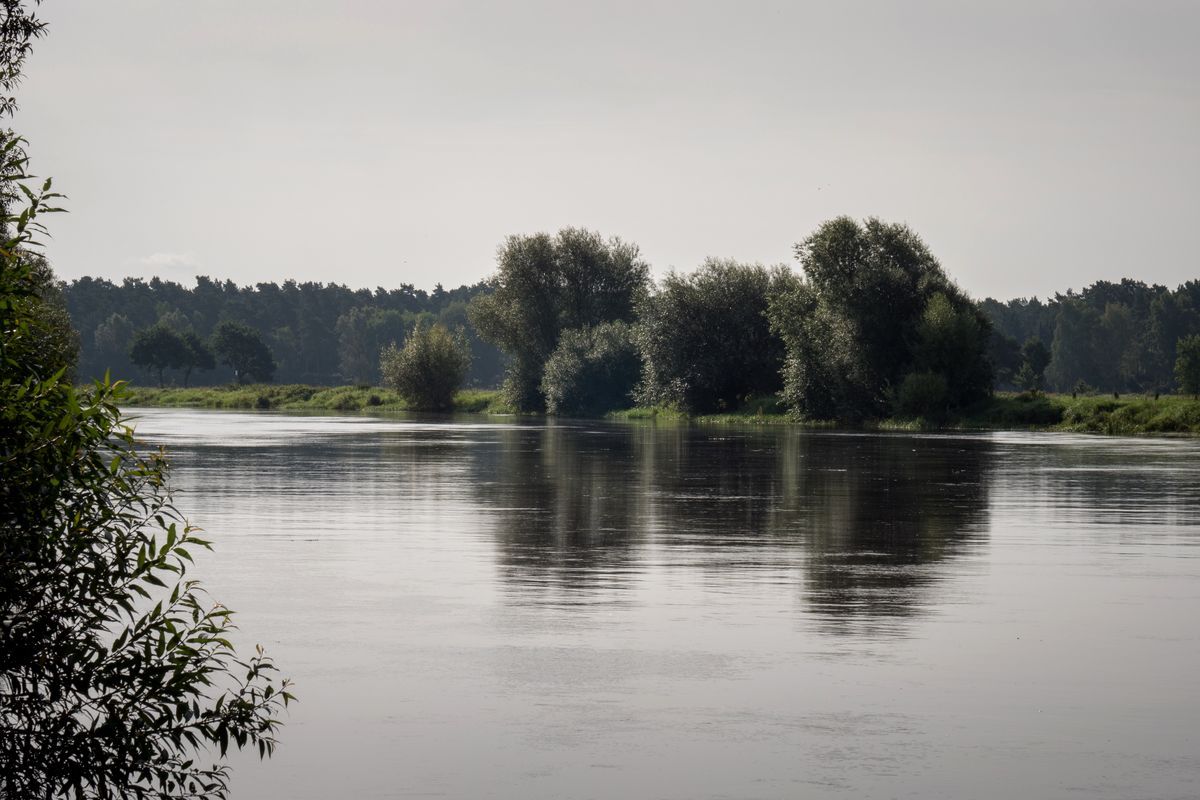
pixel 547 284
pixel 363 332
pixel 705 339
pixel 1034 360
pixel 923 394
pixel 593 370
pixel 952 342
pixel 1005 354
pixel 199 355
pixel 301 397
pixel 116 671
pixel 159 348
pixel 242 348
pixel 1115 336
pixel 50 337
pixel 318 333
pixel 874 307
pixel 1187 365
pixel 429 369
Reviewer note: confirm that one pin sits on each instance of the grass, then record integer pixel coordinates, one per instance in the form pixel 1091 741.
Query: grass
pixel 1128 414
pixel 1124 415
pixel 299 397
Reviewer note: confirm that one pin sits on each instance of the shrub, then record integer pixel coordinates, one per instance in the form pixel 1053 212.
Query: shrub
pixel 593 370
pixel 923 394
pixel 429 369
pixel 705 339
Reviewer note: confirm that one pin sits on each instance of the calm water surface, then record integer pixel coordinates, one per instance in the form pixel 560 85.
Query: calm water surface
pixel 615 611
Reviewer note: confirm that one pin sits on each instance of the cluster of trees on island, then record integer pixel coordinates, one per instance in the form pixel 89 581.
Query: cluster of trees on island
pixel 873 324
pixel 571 323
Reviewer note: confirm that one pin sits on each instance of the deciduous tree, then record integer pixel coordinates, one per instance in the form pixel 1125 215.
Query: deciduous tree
pixel 547 284
pixel 1187 365
pixel 242 348
pixel 705 338
pixel 159 348
pixel 429 369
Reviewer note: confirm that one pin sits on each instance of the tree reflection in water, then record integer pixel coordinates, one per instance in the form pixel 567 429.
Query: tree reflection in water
pixel 864 525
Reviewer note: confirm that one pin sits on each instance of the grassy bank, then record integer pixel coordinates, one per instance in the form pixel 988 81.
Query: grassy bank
pixel 1129 414
pixel 1126 415
pixel 297 397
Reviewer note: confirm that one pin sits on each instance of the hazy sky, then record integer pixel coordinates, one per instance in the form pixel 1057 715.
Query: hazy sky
pixel 1035 146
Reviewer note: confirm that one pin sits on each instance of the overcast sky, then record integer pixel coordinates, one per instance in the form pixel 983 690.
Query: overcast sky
pixel 1035 146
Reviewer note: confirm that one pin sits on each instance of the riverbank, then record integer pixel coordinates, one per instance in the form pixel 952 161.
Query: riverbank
pixel 1126 415
pixel 299 397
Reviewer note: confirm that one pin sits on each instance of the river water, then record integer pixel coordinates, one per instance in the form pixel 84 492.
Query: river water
pixel 478 609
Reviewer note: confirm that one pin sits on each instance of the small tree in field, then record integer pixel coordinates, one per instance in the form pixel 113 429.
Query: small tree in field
pixel 158 348
pixel 1187 365
pixel 199 355
pixel 429 369
pixel 242 348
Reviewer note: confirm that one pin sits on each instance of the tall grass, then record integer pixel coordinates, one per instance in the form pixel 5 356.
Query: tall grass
pixel 298 397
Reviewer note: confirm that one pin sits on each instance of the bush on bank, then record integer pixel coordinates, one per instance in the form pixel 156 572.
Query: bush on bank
pixel 429 369
pixel 593 370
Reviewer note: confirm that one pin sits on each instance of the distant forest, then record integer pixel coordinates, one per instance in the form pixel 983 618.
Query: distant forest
pixel 1109 337
pixel 324 334
pixel 1112 337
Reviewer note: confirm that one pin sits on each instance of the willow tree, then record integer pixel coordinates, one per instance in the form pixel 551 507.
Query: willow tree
pixel 873 309
pixel 545 285
pixel 705 338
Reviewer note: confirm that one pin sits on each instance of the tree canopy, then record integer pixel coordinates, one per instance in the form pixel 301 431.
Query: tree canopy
pixel 873 308
pixel 1187 365
pixel 593 370
pixel 547 284
pixel 705 339
pixel 242 348
pixel 429 368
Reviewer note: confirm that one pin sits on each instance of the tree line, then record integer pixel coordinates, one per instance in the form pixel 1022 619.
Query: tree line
pixel 1109 337
pixel 871 324
pixel 314 333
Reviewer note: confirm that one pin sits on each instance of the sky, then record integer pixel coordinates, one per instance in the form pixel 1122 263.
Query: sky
pixel 1035 146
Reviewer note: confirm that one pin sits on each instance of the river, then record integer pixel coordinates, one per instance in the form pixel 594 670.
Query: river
pixel 518 609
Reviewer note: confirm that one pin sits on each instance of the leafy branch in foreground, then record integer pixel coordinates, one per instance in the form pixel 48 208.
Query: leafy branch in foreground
pixel 117 674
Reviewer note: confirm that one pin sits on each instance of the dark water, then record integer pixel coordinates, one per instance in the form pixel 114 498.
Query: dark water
pixel 592 610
